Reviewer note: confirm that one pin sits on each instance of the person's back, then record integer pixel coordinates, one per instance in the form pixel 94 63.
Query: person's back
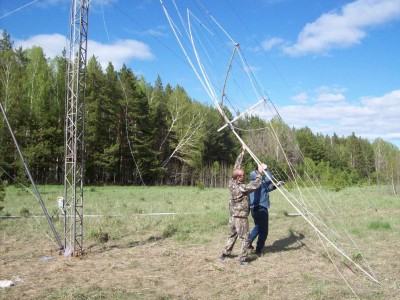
pixel 260 196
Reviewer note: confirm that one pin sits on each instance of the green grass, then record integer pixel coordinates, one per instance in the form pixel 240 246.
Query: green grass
pixel 125 217
pixel 119 211
pixel 183 213
pixel 378 225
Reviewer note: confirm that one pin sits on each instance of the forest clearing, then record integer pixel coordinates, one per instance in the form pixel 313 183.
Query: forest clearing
pixel 133 170
pixel 165 243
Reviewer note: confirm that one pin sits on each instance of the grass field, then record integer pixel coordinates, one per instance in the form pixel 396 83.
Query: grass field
pixel 134 250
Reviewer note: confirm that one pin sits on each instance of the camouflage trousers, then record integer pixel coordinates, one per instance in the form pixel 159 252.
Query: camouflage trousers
pixel 239 227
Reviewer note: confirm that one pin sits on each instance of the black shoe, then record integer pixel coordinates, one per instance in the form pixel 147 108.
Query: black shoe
pixel 223 256
pixel 258 253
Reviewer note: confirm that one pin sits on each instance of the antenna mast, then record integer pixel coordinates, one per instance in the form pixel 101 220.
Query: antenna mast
pixel 74 129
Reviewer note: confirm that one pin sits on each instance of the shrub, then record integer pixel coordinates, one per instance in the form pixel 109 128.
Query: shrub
pixel 200 185
pixel 2 193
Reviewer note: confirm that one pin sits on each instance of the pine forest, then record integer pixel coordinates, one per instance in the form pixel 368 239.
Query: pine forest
pixel 139 133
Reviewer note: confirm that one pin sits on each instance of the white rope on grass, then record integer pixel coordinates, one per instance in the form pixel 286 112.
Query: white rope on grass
pixel 336 267
pixel 113 216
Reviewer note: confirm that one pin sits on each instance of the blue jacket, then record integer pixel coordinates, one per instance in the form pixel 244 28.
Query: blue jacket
pixel 260 197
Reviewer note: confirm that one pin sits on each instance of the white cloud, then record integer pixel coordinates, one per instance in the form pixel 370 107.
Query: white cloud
pixel 389 100
pixel 270 43
pixel 368 117
pixel 301 98
pixel 330 89
pixel 122 51
pixel 52 44
pixel 343 29
pixel 330 98
pixel 158 31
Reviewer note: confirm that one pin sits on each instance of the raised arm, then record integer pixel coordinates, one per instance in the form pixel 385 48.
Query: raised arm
pixel 239 159
pixel 248 188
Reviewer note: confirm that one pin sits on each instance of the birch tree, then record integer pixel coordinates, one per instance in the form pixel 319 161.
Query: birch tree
pixel 185 128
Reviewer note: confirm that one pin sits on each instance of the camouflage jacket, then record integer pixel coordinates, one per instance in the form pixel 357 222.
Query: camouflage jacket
pixel 239 203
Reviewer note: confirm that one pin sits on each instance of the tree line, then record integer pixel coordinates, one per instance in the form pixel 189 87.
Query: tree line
pixel 142 133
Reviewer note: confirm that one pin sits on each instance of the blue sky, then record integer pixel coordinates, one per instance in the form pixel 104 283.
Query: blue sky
pixel 330 65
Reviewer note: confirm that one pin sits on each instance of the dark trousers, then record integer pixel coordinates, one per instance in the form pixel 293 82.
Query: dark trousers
pixel 260 216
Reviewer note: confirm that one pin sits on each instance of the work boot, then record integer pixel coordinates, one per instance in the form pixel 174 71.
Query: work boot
pixel 223 256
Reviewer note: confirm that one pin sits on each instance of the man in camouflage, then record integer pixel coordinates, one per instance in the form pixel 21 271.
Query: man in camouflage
pixel 239 209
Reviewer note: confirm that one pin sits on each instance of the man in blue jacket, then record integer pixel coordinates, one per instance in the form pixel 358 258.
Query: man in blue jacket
pixel 259 205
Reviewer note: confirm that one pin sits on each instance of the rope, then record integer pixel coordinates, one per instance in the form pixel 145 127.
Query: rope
pixel 300 203
pixel 323 198
pixel 337 269
pixel 17 9
pixel 21 205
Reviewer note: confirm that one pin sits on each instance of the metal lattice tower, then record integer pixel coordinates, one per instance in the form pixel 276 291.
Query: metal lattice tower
pixel 74 129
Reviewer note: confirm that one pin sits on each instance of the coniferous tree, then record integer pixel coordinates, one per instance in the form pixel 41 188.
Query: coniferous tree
pixel 158 100
pixel 334 147
pixel 221 145
pixel 95 125
pixel 134 129
pixel 115 137
pixel 140 130
pixel 6 43
pixel 310 145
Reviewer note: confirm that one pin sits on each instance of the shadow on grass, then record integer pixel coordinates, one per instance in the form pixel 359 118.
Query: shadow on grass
pixel 104 247
pixel 292 242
